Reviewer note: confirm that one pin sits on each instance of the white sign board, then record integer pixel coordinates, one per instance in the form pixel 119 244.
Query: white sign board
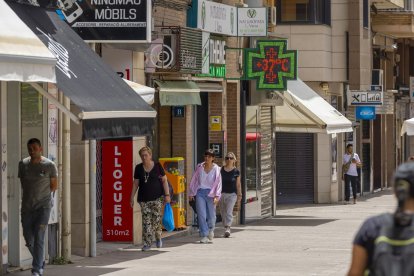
pixel 217 18
pixel 357 97
pixel 252 21
pixel 206 53
pixel 119 60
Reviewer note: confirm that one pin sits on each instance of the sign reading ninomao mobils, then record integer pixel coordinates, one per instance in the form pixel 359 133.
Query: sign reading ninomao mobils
pixel 109 20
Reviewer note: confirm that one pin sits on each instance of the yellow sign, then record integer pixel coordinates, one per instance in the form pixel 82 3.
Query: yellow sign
pixel 215 123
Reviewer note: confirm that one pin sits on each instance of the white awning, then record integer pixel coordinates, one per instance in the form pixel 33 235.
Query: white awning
pixel 408 127
pixel 146 93
pixel 303 110
pixel 23 57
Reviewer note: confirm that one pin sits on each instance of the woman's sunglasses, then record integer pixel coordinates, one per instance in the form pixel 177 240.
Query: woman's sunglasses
pixel 229 158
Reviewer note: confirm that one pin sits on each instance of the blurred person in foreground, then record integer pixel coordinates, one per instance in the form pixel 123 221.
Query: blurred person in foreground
pixel 384 245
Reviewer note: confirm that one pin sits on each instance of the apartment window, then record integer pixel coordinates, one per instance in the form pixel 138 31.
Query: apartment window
pixel 365 13
pixel 304 12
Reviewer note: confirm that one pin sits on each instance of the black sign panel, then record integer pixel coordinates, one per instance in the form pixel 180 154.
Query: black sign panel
pixel 108 20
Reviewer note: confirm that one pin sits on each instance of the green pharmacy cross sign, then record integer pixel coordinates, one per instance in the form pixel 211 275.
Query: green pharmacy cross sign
pixel 271 64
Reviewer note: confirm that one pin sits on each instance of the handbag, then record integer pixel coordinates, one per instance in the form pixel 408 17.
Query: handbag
pixel 168 218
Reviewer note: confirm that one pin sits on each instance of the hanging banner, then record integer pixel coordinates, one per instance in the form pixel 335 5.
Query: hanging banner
pixel 117 180
pixel 109 20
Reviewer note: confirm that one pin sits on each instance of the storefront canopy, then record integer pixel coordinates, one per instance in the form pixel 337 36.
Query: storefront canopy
pixel 176 93
pixel 23 57
pixel 408 127
pixel 108 107
pixel 146 93
pixel 304 110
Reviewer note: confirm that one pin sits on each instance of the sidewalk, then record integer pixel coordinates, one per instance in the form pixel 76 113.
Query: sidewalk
pixel 300 240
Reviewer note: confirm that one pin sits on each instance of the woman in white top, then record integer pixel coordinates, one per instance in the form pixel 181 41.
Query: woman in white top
pixel 205 187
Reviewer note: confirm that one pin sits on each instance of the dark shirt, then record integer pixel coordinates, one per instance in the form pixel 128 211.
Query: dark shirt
pixel 152 188
pixel 367 235
pixel 229 180
pixel 35 181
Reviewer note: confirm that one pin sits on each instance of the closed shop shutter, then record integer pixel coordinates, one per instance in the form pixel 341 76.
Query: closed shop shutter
pixel 294 168
pixel 266 160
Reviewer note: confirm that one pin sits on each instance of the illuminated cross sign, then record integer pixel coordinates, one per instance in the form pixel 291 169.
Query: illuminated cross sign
pixel 271 64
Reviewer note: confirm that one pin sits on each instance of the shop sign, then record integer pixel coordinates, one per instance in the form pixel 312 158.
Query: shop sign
pixel 214 57
pixel 271 64
pixel 178 111
pixel 215 123
pixel 218 149
pixel 109 20
pixel 117 180
pixel 217 18
pixel 365 112
pixel 357 97
pixel 177 49
pixel 119 60
pixel 252 22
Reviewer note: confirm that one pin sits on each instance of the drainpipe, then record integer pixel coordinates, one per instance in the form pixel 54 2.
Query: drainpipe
pixel 60 174
pixel 66 212
pixel 92 197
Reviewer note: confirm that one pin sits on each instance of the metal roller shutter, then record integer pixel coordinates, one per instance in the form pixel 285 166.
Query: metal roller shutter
pixel 294 168
pixel 266 160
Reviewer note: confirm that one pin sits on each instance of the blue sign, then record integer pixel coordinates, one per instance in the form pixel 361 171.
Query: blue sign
pixel 365 112
pixel 178 111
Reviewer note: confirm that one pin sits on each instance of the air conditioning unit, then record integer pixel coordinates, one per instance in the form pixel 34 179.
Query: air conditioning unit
pixel 271 15
pixel 377 77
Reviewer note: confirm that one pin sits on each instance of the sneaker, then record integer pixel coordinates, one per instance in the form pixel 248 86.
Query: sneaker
pixel 159 243
pixel 211 235
pixel 146 248
pixel 354 200
pixel 41 271
pixel 204 240
pixel 346 202
pixel 35 273
pixel 227 232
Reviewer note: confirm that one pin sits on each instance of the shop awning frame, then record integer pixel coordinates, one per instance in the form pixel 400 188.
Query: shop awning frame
pixel 177 93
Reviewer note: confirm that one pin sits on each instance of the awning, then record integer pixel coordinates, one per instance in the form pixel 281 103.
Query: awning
pixel 23 57
pixel 176 93
pixel 146 93
pixel 210 87
pixel 304 110
pixel 408 127
pixel 108 107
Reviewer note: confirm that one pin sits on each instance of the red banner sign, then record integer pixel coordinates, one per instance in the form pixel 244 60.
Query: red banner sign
pixel 116 189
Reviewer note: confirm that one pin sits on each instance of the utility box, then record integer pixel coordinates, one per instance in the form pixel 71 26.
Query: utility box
pixel 174 170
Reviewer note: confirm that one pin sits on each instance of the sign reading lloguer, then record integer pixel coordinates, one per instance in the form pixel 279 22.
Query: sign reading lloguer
pixel 116 188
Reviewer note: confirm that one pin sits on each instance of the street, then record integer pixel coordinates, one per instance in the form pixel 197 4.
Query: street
pixel 300 240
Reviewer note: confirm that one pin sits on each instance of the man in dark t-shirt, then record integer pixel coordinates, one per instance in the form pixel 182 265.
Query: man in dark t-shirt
pixel 38 177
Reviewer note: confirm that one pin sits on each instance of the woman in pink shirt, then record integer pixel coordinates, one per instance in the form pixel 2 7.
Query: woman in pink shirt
pixel 205 187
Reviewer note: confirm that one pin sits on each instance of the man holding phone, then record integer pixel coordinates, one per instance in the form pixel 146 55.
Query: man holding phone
pixel 350 163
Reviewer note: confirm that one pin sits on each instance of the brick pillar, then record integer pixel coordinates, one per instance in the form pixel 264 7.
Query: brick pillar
pixel 217 104
pixel 233 118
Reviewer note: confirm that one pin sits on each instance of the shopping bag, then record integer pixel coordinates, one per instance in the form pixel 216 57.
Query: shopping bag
pixel 168 218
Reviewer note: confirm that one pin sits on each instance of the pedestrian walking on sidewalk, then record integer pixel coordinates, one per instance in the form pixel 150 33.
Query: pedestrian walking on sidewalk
pixel 151 182
pixel 350 164
pixel 205 187
pixel 231 191
pixel 384 243
pixel 38 177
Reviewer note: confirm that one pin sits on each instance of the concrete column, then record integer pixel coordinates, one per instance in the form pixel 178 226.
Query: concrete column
pixel 3 175
pixel 66 212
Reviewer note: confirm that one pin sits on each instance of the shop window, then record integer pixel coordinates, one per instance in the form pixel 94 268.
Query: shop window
pixel 304 12
pixel 365 129
pixel 365 13
pixel 32 116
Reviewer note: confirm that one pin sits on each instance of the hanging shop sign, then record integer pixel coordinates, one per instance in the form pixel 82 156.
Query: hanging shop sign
pixel 365 112
pixel 218 149
pixel 175 49
pixel 215 123
pixel 357 97
pixel 252 22
pixel 213 56
pixel 109 20
pixel 119 60
pixel 117 181
pixel 217 18
pixel 271 64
